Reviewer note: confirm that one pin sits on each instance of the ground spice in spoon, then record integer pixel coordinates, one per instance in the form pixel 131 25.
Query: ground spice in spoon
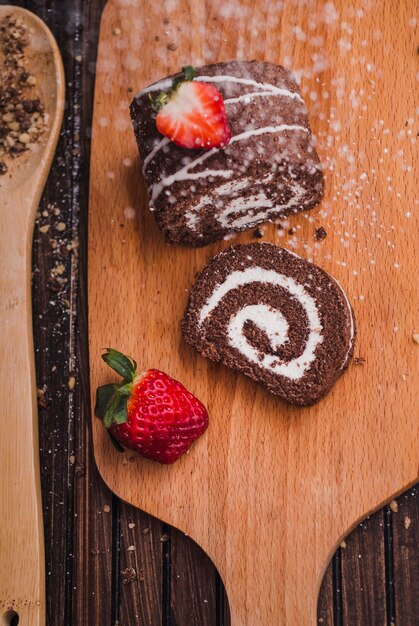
pixel 22 115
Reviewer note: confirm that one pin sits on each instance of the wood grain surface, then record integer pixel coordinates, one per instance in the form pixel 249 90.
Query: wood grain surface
pixel 83 522
pixel 270 490
pixel 22 563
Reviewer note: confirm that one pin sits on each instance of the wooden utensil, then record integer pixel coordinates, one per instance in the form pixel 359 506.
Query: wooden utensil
pixel 271 489
pixel 22 569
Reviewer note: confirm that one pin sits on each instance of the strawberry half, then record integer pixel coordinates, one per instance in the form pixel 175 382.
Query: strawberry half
pixel 192 114
pixel 150 412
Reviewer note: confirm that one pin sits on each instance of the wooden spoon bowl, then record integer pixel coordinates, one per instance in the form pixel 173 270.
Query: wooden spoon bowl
pixel 22 584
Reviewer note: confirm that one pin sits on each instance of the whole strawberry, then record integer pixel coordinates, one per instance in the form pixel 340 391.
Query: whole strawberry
pixel 192 114
pixel 149 412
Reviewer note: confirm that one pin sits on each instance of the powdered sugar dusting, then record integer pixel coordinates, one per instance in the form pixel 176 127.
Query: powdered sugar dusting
pixel 186 174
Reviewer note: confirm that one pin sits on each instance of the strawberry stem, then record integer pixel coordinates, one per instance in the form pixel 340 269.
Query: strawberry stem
pixel 187 73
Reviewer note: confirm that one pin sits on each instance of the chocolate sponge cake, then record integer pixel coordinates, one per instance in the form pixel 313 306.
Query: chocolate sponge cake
pixel 273 316
pixel 269 169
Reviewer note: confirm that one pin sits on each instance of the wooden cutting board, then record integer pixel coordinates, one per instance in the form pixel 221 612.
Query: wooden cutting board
pixel 270 490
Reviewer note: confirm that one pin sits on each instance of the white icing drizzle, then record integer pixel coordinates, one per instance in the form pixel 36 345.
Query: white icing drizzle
pixel 273 322
pixel 161 85
pixel 158 146
pixel 185 174
pixel 245 97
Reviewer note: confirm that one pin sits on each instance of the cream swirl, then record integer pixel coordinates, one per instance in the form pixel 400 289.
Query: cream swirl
pixel 238 211
pixel 270 320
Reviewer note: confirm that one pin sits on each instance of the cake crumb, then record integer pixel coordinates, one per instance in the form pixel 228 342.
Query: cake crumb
pixel 71 383
pixel 131 525
pixel 42 403
pixel 106 508
pixel 128 575
pixel 407 521
pixel 359 360
pixel 394 506
pixel 164 538
pixel 131 548
pixel 79 470
pixel 116 31
pixel 343 544
pixel 415 337
pixel 320 233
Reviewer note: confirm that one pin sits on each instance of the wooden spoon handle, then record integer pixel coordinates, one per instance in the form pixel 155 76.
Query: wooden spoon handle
pixel 22 576
pixel 22 585
pixel 22 568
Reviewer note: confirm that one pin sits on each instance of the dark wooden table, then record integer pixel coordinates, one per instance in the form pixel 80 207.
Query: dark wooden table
pixel 108 563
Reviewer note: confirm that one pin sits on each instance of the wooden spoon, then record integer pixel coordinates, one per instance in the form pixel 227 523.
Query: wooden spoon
pixel 22 569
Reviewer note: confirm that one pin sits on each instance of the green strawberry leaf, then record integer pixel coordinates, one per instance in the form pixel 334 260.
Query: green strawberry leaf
pixel 111 399
pixel 104 394
pixel 116 411
pixel 123 365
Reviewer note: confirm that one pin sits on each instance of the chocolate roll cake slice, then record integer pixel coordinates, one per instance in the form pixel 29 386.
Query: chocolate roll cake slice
pixel 273 316
pixel 269 169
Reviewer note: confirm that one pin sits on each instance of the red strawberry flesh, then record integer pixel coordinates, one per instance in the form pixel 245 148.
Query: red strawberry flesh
pixel 195 117
pixel 164 418
pixel 151 413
